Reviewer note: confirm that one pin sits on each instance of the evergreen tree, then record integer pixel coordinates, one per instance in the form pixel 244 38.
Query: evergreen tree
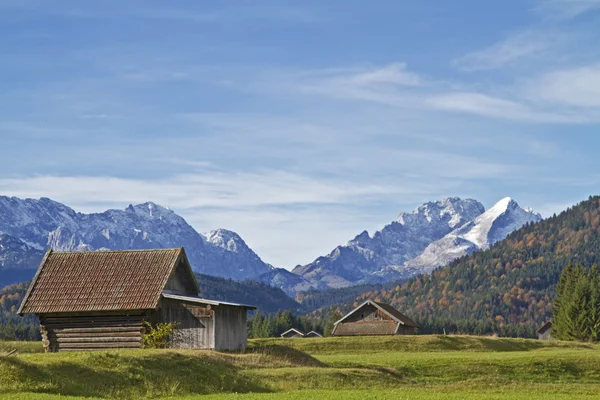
pixel 594 313
pixel 577 305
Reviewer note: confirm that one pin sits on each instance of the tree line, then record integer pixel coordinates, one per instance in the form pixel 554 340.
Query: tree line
pixel 273 325
pixel 577 305
pixel 12 326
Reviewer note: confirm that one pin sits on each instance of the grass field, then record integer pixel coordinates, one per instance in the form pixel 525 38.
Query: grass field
pixel 406 367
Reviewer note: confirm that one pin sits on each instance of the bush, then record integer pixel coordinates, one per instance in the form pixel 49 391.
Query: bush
pixel 157 336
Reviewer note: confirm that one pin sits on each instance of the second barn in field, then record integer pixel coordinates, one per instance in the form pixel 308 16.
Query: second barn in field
pixel 374 318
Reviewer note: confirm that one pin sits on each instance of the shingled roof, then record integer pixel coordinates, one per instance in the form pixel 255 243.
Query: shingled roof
pixel 404 320
pixel 101 280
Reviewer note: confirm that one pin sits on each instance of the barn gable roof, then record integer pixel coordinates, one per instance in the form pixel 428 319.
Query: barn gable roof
pixel 102 280
pixel 313 334
pixel 387 309
pixel 298 332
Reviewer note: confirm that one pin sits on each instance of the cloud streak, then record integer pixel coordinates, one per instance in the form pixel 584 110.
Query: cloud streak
pixel 510 51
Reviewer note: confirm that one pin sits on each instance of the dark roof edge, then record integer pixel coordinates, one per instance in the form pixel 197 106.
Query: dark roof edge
pixel 34 281
pixel 118 251
pixel 544 327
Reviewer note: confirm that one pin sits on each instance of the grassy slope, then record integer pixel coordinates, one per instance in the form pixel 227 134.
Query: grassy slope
pixel 425 367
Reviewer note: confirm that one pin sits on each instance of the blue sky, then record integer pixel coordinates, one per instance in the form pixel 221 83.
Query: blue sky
pixel 299 124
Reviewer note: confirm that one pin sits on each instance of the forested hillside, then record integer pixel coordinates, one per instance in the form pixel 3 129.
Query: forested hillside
pixel 507 289
pixel 268 299
pixel 13 327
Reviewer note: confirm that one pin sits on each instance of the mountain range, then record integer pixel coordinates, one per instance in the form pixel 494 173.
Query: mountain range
pixel 29 226
pixel 434 234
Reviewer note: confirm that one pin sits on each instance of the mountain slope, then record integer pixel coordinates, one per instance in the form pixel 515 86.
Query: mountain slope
pixel 432 235
pixel 289 282
pixel 368 259
pixel 17 254
pixel 44 223
pixel 509 287
pixel 267 299
pixel 479 234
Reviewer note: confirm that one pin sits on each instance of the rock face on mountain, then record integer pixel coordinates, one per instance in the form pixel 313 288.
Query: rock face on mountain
pixel 490 227
pixel 15 253
pixel 43 223
pixel 289 282
pixel 431 236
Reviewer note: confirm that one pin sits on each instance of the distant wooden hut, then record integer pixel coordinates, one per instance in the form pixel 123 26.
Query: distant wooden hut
pixel 373 318
pixel 313 334
pixel 545 331
pixel 292 333
pixel 101 299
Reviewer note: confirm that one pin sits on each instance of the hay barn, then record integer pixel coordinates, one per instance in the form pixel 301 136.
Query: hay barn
pixel 545 331
pixel 292 333
pixel 313 334
pixel 102 299
pixel 372 318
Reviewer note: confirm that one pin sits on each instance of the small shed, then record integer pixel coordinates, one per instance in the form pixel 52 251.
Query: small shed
pixel 292 333
pixel 102 299
pixel 545 331
pixel 372 318
pixel 312 334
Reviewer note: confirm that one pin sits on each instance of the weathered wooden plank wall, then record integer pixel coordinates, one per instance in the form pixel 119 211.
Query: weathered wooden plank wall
pixel 231 332
pixel 194 324
pixel 79 333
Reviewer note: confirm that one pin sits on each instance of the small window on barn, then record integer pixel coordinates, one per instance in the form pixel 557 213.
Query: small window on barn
pixel 362 316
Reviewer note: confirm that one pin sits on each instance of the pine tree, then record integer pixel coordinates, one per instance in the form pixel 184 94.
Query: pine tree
pixel 594 312
pixel 577 305
pixel 560 323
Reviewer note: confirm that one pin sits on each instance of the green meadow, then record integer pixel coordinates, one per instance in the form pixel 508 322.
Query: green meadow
pixel 404 367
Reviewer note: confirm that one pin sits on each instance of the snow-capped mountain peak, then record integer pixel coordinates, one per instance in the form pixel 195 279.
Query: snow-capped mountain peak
pixel 225 239
pixel 478 234
pixel 495 224
pixel 451 211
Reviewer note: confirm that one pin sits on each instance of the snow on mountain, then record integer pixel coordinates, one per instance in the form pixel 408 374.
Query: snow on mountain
pixel 490 227
pixel 45 223
pixel 17 254
pixel 229 247
pixel 380 257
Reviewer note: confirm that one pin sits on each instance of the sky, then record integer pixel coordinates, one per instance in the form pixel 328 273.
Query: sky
pixel 299 124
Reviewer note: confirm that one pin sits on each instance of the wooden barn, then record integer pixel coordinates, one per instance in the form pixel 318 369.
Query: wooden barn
pixel 313 334
pixel 372 318
pixel 101 299
pixel 292 333
pixel 545 331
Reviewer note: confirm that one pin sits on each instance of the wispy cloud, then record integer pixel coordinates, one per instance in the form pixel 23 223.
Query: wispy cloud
pixel 566 9
pixel 510 51
pixel 489 106
pixel 573 87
